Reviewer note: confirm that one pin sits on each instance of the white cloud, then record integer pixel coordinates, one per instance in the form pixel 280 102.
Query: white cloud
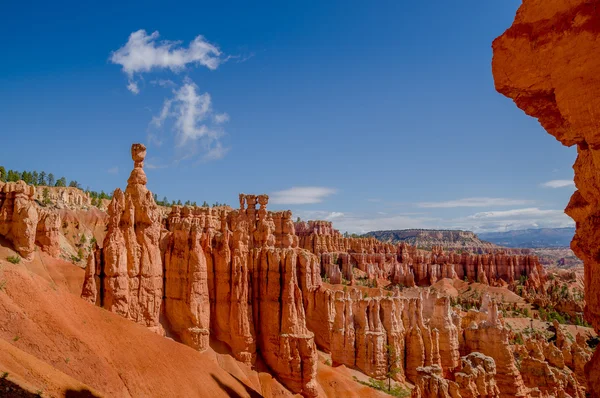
pixel 301 195
pixel 475 202
pixel 163 83
pixel 215 153
pixel 113 170
pixel 558 184
pixel 221 118
pixel 504 220
pixel 133 87
pixel 523 213
pixel 193 122
pixel 142 53
pixel 334 214
pixel 490 221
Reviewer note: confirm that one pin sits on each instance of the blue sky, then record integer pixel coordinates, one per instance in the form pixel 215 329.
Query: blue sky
pixel 374 115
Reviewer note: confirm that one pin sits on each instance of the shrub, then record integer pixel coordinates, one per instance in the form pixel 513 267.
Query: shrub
pixel 328 362
pixel 13 259
pixel 519 339
pixel 395 391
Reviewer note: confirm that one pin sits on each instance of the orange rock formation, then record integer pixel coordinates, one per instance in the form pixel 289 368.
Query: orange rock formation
pixel 251 278
pixel 546 62
pixel 18 216
pixel 409 266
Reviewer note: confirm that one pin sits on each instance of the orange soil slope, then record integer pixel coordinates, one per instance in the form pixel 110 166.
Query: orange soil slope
pixel 110 354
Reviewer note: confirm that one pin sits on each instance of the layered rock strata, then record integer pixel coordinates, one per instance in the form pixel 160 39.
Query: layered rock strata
pixel 546 62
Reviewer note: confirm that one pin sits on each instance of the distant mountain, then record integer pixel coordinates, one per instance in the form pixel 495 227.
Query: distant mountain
pixel 426 238
pixel 531 238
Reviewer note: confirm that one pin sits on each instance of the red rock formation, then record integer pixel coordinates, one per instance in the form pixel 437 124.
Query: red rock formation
pixel 476 377
pixel 407 265
pixel 186 280
pixel 48 232
pixel 430 384
pixel 18 216
pixel 63 196
pixel 132 266
pixel 546 62
pixel 491 338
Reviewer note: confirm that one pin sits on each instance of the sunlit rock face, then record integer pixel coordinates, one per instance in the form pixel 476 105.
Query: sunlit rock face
pixel 548 63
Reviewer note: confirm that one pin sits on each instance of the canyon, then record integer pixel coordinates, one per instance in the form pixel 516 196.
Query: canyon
pixel 294 297
pixel 129 298
pixel 279 291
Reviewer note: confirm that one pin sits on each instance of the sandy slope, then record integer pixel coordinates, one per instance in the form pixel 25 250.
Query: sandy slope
pixel 95 347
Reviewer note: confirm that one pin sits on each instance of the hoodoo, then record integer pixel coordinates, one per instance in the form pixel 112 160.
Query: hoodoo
pixel 254 280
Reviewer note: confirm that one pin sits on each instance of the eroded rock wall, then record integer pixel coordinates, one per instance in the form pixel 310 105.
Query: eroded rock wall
pixel 19 216
pixel 547 63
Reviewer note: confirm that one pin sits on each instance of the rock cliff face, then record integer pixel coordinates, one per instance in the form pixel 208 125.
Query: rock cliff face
pixel 63 196
pixel 428 238
pixel 546 62
pixel 19 216
pixel 25 224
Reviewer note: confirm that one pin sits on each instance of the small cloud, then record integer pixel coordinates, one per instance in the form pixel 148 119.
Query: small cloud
pixel 301 195
pixel 133 87
pixel 113 170
pixel 144 53
pixel 221 118
pixel 193 122
pixel 163 83
pixel 475 202
pixel 154 166
pixel 215 153
pixel 334 214
pixel 558 184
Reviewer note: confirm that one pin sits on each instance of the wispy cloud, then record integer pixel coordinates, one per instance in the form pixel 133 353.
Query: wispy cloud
pixel 163 83
pixel 154 166
pixel 133 87
pixel 221 118
pixel 301 195
pixel 334 214
pixel 525 213
pixel 558 184
pixel 497 220
pixel 193 123
pixel 113 170
pixel 475 202
pixel 143 53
